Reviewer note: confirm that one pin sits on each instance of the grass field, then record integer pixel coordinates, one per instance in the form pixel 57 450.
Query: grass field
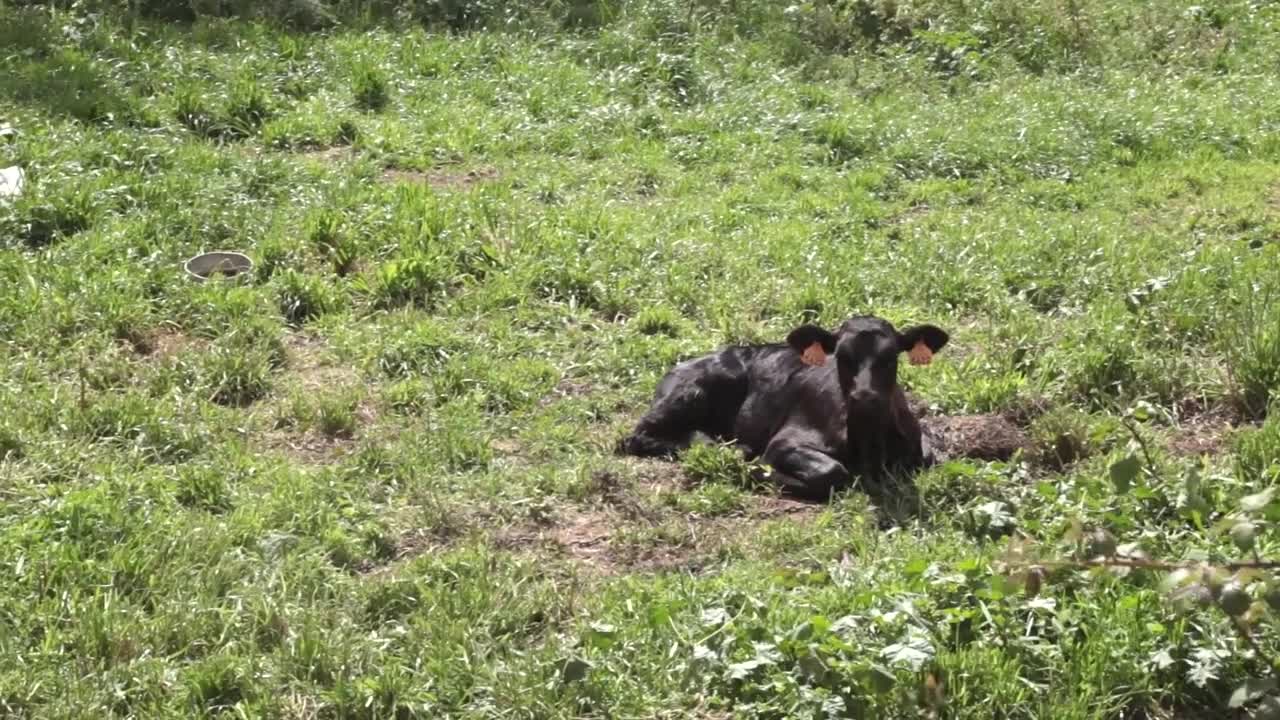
pixel 375 478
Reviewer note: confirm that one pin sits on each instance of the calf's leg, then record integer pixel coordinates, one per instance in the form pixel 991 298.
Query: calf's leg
pixel 805 471
pixel 668 426
pixel 702 395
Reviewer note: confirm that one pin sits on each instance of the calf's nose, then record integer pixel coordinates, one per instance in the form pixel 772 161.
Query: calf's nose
pixel 864 399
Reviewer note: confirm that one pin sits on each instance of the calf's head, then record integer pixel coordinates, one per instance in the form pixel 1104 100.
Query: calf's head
pixel 867 356
pixel 867 353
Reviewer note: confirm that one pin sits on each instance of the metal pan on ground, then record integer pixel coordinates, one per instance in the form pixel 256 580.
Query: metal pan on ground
pixel 218 264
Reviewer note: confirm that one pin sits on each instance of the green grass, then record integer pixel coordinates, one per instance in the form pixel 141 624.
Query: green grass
pixel 373 479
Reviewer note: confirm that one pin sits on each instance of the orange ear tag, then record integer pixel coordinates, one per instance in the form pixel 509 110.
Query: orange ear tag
pixel 920 354
pixel 814 355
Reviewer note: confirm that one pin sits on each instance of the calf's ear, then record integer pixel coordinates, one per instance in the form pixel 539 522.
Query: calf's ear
pixel 920 342
pixel 813 343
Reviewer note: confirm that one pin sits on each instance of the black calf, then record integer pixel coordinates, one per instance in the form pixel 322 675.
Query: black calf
pixel 810 421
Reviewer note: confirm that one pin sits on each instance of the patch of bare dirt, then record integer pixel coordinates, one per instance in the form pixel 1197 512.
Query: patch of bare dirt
pixel 622 528
pixel 508 447
pixel 626 534
pixel 316 372
pixel 598 542
pixel 910 212
pixel 617 494
pixel 440 179
pixel 311 446
pixel 310 361
pixel 977 437
pixel 333 155
pixel 1204 431
pixel 168 342
pixel 306 448
pixel 766 507
pixel 410 545
pixel 581 535
pixel 567 388
pixel 653 474
pixel 585 537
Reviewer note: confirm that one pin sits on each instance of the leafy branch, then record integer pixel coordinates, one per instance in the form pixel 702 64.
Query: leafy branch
pixel 1147 564
pixel 1230 586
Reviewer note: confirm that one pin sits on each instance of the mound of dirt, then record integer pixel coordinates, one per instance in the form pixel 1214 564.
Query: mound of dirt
pixel 978 437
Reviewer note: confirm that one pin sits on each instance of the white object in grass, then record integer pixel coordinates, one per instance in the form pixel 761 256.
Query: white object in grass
pixel 11 181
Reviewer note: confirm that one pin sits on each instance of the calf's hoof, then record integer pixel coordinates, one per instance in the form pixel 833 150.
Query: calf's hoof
pixel 638 445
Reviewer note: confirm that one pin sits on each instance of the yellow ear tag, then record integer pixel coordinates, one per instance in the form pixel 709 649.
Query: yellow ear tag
pixel 814 355
pixel 920 354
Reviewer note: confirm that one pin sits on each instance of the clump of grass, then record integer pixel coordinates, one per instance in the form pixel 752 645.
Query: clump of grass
pixel 712 463
pixel 324 229
pixel 658 320
pixel 459 436
pixel 806 304
pixel 11 447
pixel 204 488
pixel 192 111
pixel 70 82
pixel 1257 453
pixel 1251 340
pixel 246 108
pixel 504 386
pixel 332 412
pixel 370 88
pixel 388 691
pixel 347 132
pixel 336 414
pixel 238 378
pixel 1099 365
pixel 840 141
pixel 28 29
pixel 389 601
pixel 713 499
pixel 1062 437
pixel 409 396
pixel 49 214
pixel 304 297
pixel 133 420
pixel 570 285
pixel 219 683
pixel 237 368
pixel 295 412
pixel 416 280
pixel 326 233
pixel 275 255
pixel 420 349
pixel 956 484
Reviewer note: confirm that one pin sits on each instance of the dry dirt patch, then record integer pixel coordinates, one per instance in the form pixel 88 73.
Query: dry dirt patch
pixel 568 387
pixel 308 448
pixel 1203 432
pixel 409 545
pixel 309 361
pixel 332 155
pixel 168 342
pixel 312 368
pixel 908 213
pixel 977 437
pixel 575 533
pixel 625 531
pixel 440 179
